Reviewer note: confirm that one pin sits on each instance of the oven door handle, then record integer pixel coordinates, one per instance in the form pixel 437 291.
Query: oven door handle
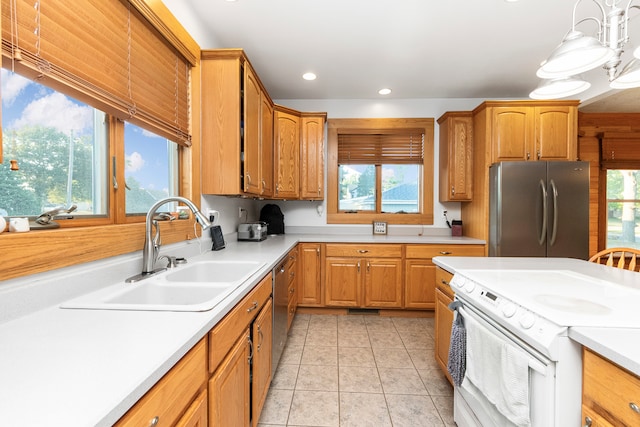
pixel 534 362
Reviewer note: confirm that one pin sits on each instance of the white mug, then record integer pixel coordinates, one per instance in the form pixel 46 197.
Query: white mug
pixel 3 224
pixel 19 225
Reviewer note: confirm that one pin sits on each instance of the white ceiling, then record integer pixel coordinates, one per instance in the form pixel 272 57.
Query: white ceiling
pixel 419 48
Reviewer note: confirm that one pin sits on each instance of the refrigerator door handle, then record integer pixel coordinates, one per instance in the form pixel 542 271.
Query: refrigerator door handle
pixel 543 232
pixel 554 230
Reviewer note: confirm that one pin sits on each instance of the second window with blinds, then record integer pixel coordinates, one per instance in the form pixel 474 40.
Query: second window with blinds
pixel 380 170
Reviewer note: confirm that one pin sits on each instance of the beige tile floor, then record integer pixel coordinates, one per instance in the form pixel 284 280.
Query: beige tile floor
pixel 359 370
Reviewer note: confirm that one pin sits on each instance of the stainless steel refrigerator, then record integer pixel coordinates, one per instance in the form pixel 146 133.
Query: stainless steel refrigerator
pixel 539 209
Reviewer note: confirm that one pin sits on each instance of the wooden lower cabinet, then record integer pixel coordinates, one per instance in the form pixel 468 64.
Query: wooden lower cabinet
pixel 292 277
pixel 444 319
pixel 363 276
pixel 420 278
pixel 168 402
pixel 420 271
pixel 240 360
pixel 309 285
pixel 610 394
pixel 196 415
pixel 262 338
pixel 229 387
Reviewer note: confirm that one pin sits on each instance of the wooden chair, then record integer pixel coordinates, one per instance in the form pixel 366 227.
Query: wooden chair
pixel 626 258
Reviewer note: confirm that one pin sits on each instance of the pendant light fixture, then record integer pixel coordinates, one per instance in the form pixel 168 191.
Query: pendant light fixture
pixel 579 53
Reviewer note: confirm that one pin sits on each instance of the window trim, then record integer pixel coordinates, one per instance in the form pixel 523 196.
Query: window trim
pixel 334 216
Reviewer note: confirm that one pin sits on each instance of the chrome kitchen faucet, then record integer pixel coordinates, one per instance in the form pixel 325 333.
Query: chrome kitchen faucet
pixel 152 243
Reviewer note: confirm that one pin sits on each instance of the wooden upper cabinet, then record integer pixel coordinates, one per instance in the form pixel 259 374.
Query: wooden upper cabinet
pixel 456 156
pixel 286 158
pixel 250 143
pixel 236 140
pixel 531 130
pixel 556 130
pixel 312 156
pixel 266 146
pixel 511 133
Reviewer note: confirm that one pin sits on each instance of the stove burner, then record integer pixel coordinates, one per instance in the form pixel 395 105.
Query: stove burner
pixel 571 304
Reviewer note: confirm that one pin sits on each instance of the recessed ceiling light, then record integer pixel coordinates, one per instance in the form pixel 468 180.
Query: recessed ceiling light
pixel 309 76
pixel 385 91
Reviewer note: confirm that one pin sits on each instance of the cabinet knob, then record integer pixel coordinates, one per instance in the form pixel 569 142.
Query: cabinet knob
pixel 528 155
pixel 362 251
pixel 588 421
pixel 154 421
pixel 445 253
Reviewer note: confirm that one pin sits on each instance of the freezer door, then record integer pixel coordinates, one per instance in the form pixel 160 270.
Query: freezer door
pixel 568 188
pixel 516 198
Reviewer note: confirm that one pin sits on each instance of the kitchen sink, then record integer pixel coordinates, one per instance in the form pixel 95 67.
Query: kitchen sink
pixel 197 287
pixel 215 271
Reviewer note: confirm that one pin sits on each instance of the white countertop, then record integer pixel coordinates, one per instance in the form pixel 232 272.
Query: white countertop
pixel 67 367
pixel 621 345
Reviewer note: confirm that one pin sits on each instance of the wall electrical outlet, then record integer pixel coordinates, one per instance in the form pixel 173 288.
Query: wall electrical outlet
pixel 379 227
pixel 214 216
pixel 240 212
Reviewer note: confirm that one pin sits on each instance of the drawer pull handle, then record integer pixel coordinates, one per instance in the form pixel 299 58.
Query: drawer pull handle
pixel 154 421
pixel 588 421
pixel 362 251
pixel 253 307
pixel 635 408
pixel 444 282
pixel 445 253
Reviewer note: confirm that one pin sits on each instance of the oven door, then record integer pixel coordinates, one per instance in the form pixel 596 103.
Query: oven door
pixel 472 408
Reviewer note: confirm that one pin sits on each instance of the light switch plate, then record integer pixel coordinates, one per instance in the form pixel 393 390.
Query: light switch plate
pixel 379 227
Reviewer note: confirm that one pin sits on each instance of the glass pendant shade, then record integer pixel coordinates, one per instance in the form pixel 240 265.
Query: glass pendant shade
pixel 629 76
pixel 559 88
pixel 576 54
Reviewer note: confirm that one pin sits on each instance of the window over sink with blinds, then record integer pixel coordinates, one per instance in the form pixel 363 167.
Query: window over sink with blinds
pixel 380 169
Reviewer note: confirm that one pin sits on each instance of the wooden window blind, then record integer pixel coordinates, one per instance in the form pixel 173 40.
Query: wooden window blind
pixel 104 53
pixel 384 146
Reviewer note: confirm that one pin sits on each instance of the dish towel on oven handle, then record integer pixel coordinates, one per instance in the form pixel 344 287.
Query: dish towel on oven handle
pixel 456 363
pixel 500 371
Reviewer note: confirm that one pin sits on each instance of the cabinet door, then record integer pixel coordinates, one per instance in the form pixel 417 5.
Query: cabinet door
pixel 266 146
pixel 287 156
pixel 512 134
pixel 343 282
pixel 456 156
pixel 444 320
pixel 420 284
pixel 556 133
pixel 309 285
pixel 196 415
pixel 229 392
pixel 382 282
pixel 312 159
pixel 261 378
pixel 251 138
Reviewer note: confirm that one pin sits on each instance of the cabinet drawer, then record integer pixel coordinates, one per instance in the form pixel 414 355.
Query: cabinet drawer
pixel 364 250
pixel 224 334
pixel 171 396
pixel 430 251
pixel 610 389
pixel 443 278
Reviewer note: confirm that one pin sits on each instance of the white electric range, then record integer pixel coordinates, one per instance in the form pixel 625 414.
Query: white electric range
pixel 529 304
